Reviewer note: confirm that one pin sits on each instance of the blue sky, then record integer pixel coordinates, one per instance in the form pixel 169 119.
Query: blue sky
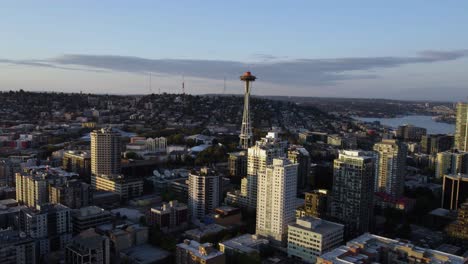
pixel 386 49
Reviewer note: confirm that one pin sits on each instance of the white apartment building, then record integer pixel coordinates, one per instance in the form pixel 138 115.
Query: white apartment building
pixel 310 237
pixel 258 158
pixel 204 191
pixel 276 203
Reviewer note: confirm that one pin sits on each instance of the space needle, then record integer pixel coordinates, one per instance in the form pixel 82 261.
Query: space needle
pixel 246 129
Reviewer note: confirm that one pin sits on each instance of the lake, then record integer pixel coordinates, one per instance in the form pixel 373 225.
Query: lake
pixel 427 122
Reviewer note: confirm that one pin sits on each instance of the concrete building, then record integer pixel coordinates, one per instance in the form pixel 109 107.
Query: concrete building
pixel 50 226
pixel 352 204
pixel 276 200
pixel 170 217
pixel 410 133
pixel 33 190
pixel 204 193
pixel 74 194
pixel 243 244
pixel 227 215
pixel 451 162
pixel 88 247
pixel 237 164
pixel 89 217
pixel 124 186
pixel 435 143
pixel 310 237
pixel 370 248
pixel 192 252
pixel 454 190
pixel 105 152
pixel 16 248
pixel 391 155
pixel 461 127
pixel 299 155
pixel 259 157
pixel 77 161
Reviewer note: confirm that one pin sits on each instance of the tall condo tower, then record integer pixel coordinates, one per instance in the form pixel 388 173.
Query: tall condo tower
pixel 246 129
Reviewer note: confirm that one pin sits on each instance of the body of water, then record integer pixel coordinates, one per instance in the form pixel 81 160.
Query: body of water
pixel 427 122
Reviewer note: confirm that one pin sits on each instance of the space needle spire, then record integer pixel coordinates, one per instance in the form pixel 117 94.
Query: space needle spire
pixel 246 129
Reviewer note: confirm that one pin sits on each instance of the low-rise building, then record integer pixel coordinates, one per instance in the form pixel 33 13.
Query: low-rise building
pixel 192 252
pixel 246 244
pixel 369 248
pixel 89 217
pixel 227 215
pixel 125 187
pixel 310 237
pixel 170 217
pixel 88 247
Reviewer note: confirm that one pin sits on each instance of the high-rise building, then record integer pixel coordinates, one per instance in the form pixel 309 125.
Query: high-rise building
pixel 461 127
pixel 370 248
pixel 435 143
pixel 77 161
pixel 50 225
pixel 276 202
pixel 259 157
pixel 391 155
pixel 246 135
pixel 192 252
pixel 410 133
pixel 352 193
pixel 74 194
pixel 204 192
pixel 169 217
pixel 310 237
pixel 33 190
pixel 454 190
pixel 299 155
pixel 16 248
pixel 88 247
pixel 451 162
pixel 105 152
pixel 237 164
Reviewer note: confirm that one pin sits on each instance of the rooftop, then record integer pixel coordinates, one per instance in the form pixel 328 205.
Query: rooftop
pixel 245 243
pixel 207 252
pixel 316 225
pixel 145 254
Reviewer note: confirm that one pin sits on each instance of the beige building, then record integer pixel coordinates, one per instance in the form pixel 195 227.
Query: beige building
pixel 105 152
pixel 77 161
pixel 391 157
pixel 310 237
pixel 461 128
pixel 276 202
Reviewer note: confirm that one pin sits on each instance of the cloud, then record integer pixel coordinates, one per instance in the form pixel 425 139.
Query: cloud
pixel 269 68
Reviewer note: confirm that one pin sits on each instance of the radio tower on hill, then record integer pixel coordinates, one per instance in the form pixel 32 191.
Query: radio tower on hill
pixel 246 129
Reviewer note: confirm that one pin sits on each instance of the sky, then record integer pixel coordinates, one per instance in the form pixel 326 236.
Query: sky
pixel 366 49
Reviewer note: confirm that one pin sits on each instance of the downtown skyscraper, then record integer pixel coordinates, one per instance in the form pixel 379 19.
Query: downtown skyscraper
pixel 391 157
pixel 353 190
pixel 105 152
pixel 276 202
pixel 461 127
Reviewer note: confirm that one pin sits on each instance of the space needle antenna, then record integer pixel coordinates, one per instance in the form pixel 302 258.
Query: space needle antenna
pixel 224 85
pixel 183 84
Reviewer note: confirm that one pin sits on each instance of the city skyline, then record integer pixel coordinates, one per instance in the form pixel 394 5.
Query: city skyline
pixel 392 50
